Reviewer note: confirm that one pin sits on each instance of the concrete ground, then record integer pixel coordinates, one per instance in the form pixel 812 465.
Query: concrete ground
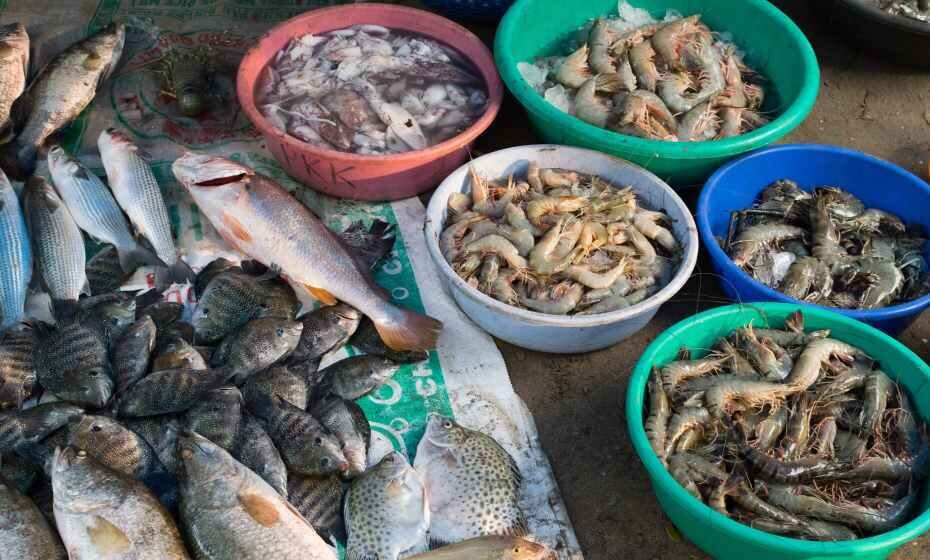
pixel 865 103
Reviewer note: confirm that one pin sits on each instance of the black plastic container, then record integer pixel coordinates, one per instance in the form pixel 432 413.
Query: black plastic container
pixel 898 38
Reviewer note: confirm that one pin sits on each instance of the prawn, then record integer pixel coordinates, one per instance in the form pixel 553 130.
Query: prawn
pixel 522 239
pixel 807 368
pixel 560 305
pixel 642 62
pixel 593 236
pixel 826 438
pixel 753 393
pixel 450 240
pixel 502 287
pixel 559 178
pixel 647 253
pixel 799 427
pixel 544 257
pixel 847 513
pixel 803 470
pixel 499 245
pixel 769 430
pixel 670 39
pixel 583 275
pixel 590 107
pixel 615 302
pixel 878 388
pixel 646 221
pixel 490 269
pixel 699 123
pixel 600 40
pixel 887 280
pixel 533 177
pixel 538 208
pixel 688 419
pixel 680 371
pixel 574 69
pixel 458 205
pixel 753 239
pixel 660 411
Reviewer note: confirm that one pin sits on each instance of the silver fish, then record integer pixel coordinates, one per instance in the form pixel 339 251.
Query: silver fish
pixel 136 189
pixel 95 210
pixel 24 532
pixel 57 242
pixel 61 91
pixel 15 256
pixel 260 218
pixel 14 68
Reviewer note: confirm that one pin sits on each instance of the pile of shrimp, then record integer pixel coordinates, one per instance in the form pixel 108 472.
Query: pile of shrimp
pixel 826 247
pixel 790 432
pixel 672 80
pixel 558 241
pixel 913 9
pixel 371 90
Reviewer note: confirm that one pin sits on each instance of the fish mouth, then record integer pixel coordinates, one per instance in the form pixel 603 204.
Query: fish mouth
pixel 203 170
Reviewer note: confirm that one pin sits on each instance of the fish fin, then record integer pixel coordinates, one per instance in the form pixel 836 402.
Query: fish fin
pixel 261 509
pixel 363 555
pixel 795 322
pixel 517 528
pixel 438 542
pixel 107 538
pixel 322 295
pixel 136 257
pixel 236 228
pixel 52 201
pixel 412 331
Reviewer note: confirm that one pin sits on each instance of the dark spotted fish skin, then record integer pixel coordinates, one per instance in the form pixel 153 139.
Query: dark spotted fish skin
pixel 278 380
pixel 169 391
pixel 32 425
pixel 104 273
pixel 163 313
pixel 347 422
pixel 179 354
pixel 19 472
pixel 161 433
pixel 255 449
pixel 71 362
pixel 114 445
pixel 306 446
pixel 17 367
pixel 108 315
pixel 209 272
pixel 319 500
pixel 367 340
pixel 259 344
pixel 24 533
pixel 132 353
pixel 175 331
pixel 356 376
pixel 230 301
pixel 217 416
pixel 325 329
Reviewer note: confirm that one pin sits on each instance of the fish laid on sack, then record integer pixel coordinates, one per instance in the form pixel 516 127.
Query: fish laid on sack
pixel 260 218
pixel 281 381
pixel 161 433
pixel 386 511
pixel 95 210
pixel 217 416
pixel 231 299
pixel 170 391
pixel 367 340
pixel 15 256
pixel 473 484
pixel 347 422
pixel 14 70
pixel 179 354
pixel 24 531
pixel 59 93
pixel 228 511
pixel 58 246
pixel 325 329
pixel 831 451
pixel 101 513
pixel 135 188
pixel 132 354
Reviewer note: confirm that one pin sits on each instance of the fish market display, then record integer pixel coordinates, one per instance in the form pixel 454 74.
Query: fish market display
pixel 60 92
pixel 135 188
pixel 558 241
pixel 826 247
pixel 673 80
pixel 791 432
pixel 24 531
pixel 15 256
pixel 370 90
pixel 261 219
pixel 57 244
pixel 473 484
pixel 913 9
pixel 14 69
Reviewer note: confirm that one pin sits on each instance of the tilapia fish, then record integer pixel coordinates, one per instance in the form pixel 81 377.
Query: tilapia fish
pixel 108 315
pixel 261 219
pixel 161 433
pixel 256 346
pixel 104 272
pixel 95 210
pixel 386 511
pixel 325 329
pixel 169 391
pixel 255 449
pixel 15 256
pixel 228 511
pixel 319 500
pixel 61 91
pixel 355 376
pixel 57 244
pixel 489 548
pixel 217 416
pixel 347 422
pixel 24 532
pixel 101 513
pixel 132 353
pixel 206 274
pixel 277 381
pixel 14 68
pixel 30 426
pixel 230 300
pixel 472 482
pixel 179 354
pixel 366 340
pixel 135 188
pixel 71 363
pixel 17 366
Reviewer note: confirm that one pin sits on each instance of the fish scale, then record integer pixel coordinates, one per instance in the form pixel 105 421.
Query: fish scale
pixel 57 241
pixel 104 273
pixel 17 367
pixel 14 68
pixel 34 424
pixel 319 500
pixel 24 532
pixel 169 391
pixel 71 362
pixel 256 450
pixel 229 301
pixel 15 256
pixel 113 444
pixel 217 416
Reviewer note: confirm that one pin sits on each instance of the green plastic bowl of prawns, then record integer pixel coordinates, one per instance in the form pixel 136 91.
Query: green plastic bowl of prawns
pixel 718 535
pixel 772 43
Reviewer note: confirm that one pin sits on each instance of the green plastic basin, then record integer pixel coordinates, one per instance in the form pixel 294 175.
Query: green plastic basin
pixel 715 533
pixel 772 43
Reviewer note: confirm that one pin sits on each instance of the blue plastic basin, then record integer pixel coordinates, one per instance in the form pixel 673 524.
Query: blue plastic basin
pixel 878 183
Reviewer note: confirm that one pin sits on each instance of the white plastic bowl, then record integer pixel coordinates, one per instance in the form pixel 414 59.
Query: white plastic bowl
pixel 561 334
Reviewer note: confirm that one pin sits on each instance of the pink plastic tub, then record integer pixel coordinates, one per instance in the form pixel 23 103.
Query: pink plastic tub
pixel 368 177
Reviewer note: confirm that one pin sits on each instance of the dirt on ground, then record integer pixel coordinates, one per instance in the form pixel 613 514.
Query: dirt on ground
pixel 865 103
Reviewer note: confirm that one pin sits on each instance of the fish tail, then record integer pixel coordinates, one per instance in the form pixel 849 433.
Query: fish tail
pixel 403 329
pixel 137 256
pixel 18 160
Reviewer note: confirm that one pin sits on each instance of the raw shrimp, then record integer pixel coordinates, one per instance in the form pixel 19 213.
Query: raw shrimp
pixel 799 427
pixel 593 236
pixel 699 123
pixel 719 397
pixel 574 69
pixel 886 280
pixel 546 257
pixel 600 40
pixel 615 302
pixel 656 425
pixel 560 305
pixel 878 388
pixel 590 107
pixel 753 239
pixel 647 222
pixel 802 470
pixel 642 62
pixel 458 204
pixel 677 372
pixel 496 244
pixel 688 419
pixel 450 240
pixel 537 208
pixel 768 431
pixel 808 366
pixel 490 269
pixel 826 438
pixel 670 40
pixel 522 239
pixel 586 277
pixel 558 178
pixel 866 519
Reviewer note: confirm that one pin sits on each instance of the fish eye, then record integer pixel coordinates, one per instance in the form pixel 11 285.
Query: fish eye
pixel 279 332
pixel 389 458
pixel 318 441
pixel 95 428
pixel 324 462
pixel 447 424
pixel 114 321
pixel 93 373
pixel 204 311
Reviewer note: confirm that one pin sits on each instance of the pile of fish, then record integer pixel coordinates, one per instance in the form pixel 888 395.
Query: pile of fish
pixel 370 90
pixel 790 432
pixel 826 247
pixel 558 241
pixel 913 9
pixel 672 80
pixel 55 97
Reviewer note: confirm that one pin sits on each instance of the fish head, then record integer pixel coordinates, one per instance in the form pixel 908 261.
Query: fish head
pixel 80 483
pixel 204 172
pixel 285 334
pixel 91 387
pixel 443 432
pixel 346 316
pixel 91 430
pixel 324 456
pixel 112 142
pixel 205 469
pixel 522 549
pixel 394 466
